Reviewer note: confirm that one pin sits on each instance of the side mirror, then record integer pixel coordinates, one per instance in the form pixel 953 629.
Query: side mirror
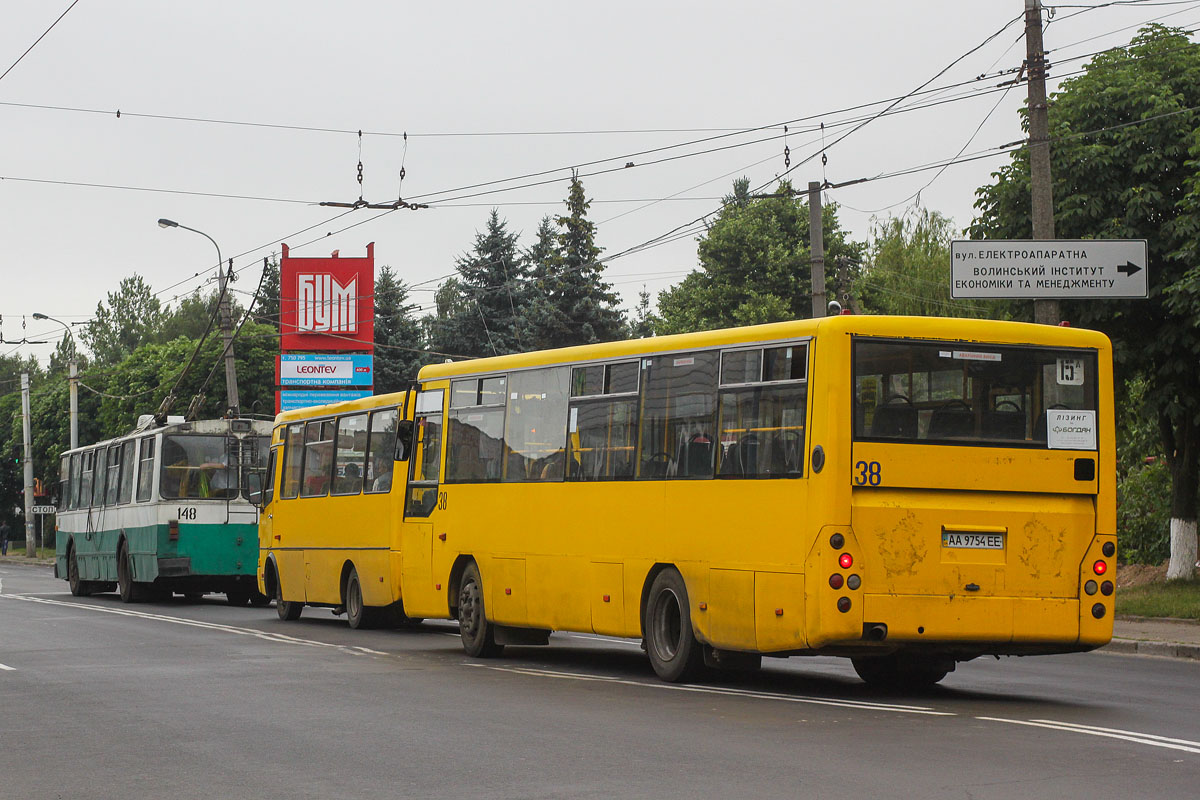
pixel 404 435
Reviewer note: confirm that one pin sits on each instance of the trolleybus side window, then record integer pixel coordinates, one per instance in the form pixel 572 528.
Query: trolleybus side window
pixel 83 495
pixel 602 421
pixel 678 422
pixel 145 479
pixel 318 458
pixel 426 456
pixel 763 401
pixel 475 441
pixel 113 478
pixel 125 492
pixel 381 451
pixel 351 454
pixel 72 497
pixel 98 472
pixel 535 427
pixel 293 458
pixel 64 481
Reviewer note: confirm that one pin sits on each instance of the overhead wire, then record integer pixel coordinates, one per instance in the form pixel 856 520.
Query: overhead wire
pixel 36 41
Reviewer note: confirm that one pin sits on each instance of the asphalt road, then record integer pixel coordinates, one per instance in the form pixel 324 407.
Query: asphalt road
pixel 200 700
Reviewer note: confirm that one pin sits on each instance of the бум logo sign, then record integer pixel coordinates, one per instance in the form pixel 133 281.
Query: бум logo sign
pixel 327 306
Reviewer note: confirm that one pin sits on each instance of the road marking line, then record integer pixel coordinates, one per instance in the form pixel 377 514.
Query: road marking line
pixel 214 626
pixel 7 668
pixel 1110 733
pixel 861 705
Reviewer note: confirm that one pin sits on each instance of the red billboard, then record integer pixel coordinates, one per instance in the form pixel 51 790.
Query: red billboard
pixel 327 304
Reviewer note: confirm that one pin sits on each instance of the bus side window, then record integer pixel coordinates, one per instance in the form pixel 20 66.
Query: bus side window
pixel 426 461
pixel 268 491
pixel 381 451
pixel 98 473
pixel 678 420
pixel 293 454
pixel 145 479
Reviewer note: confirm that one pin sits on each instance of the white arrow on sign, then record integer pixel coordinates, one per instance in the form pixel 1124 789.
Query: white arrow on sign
pixel 1049 269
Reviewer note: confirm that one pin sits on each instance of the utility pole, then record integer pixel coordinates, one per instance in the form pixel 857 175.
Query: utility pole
pixel 1041 188
pixel 816 249
pixel 231 389
pixel 30 549
pixel 73 373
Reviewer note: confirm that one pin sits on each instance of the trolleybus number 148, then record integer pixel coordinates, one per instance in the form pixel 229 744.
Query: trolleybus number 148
pixel 186 513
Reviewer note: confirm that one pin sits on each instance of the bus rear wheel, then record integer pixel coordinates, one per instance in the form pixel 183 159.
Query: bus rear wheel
pixel 902 672
pixel 79 588
pixel 670 642
pixel 288 611
pixel 357 614
pixel 478 635
pixel 130 592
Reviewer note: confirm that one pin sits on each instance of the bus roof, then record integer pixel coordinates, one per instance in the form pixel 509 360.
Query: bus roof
pixel 941 328
pixel 200 426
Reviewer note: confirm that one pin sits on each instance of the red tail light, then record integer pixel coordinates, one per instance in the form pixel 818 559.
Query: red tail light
pixel 1100 567
pixel 835 580
pixel 846 560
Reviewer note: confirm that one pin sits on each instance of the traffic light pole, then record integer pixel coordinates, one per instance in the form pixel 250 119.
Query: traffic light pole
pixel 30 547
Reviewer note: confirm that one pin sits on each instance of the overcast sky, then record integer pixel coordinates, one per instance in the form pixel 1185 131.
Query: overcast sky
pixel 488 92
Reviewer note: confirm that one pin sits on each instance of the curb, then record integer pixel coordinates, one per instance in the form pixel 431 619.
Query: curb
pixel 1140 647
pixel 32 562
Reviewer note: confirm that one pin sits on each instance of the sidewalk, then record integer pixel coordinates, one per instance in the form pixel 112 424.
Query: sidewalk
pixel 19 558
pixel 1155 636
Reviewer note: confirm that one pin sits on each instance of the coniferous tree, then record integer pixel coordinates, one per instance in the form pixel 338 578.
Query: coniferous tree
pixel 643 317
pixel 398 353
pixel 575 306
pixel 130 316
pixel 482 312
pixel 266 310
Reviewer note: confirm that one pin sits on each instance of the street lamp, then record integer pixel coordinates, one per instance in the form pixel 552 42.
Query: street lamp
pixel 73 373
pixel 231 391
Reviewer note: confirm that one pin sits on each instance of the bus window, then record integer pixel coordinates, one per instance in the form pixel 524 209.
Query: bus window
pixel 678 409
pixel 268 491
pixel 535 429
pixel 602 422
pixel 951 392
pixel 113 476
pixel 254 470
pixel 426 457
pixel 84 495
pixel 125 493
pixel 72 498
pixel 293 458
pixel 761 416
pixel 476 432
pixel 197 466
pixel 64 481
pixel 145 481
pixel 381 451
pixel 100 459
pixel 318 458
pixel 351 454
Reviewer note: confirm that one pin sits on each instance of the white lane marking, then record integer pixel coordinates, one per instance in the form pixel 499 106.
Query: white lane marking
pixel 604 639
pixel 265 635
pixel 7 668
pixel 861 705
pixel 1111 733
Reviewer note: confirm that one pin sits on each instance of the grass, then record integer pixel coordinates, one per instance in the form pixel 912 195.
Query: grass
pixel 1180 599
pixel 17 550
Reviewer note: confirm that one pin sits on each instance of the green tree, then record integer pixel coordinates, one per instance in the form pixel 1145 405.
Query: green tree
pixel 1121 137
pixel 908 267
pixel 754 263
pixel 131 315
pixel 398 352
pixel 573 304
pixel 484 319
pixel 644 319
pixel 267 308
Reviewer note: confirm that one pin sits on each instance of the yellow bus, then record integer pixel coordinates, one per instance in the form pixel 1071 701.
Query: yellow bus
pixel 330 521
pixel 906 492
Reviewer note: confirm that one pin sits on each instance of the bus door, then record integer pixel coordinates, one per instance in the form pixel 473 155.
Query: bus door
pixel 423 596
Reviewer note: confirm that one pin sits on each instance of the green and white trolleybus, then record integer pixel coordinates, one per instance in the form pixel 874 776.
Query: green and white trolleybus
pixel 165 509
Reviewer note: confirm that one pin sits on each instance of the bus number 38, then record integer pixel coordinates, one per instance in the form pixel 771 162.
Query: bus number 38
pixel 868 473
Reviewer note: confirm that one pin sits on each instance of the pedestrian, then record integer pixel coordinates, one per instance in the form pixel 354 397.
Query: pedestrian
pixel 3 537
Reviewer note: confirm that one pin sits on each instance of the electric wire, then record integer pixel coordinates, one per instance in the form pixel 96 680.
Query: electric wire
pixel 39 39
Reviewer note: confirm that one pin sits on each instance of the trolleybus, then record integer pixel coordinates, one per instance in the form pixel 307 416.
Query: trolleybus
pixel 166 509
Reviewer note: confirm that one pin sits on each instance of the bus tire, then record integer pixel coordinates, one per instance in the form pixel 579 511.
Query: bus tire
pixel 288 611
pixel 357 614
pixel 674 652
pixel 79 588
pixel 129 590
pixel 896 672
pixel 478 635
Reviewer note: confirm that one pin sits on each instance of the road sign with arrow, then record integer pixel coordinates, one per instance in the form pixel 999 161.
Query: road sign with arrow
pixel 1049 269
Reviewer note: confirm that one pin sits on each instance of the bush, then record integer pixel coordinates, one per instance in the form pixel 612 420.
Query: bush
pixel 1144 513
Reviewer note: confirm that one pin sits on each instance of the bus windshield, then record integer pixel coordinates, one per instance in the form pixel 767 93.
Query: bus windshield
pixel 973 393
pixel 197 466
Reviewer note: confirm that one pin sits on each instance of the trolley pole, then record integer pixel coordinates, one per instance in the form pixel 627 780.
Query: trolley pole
pixel 816 249
pixel 1041 188
pixel 30 547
